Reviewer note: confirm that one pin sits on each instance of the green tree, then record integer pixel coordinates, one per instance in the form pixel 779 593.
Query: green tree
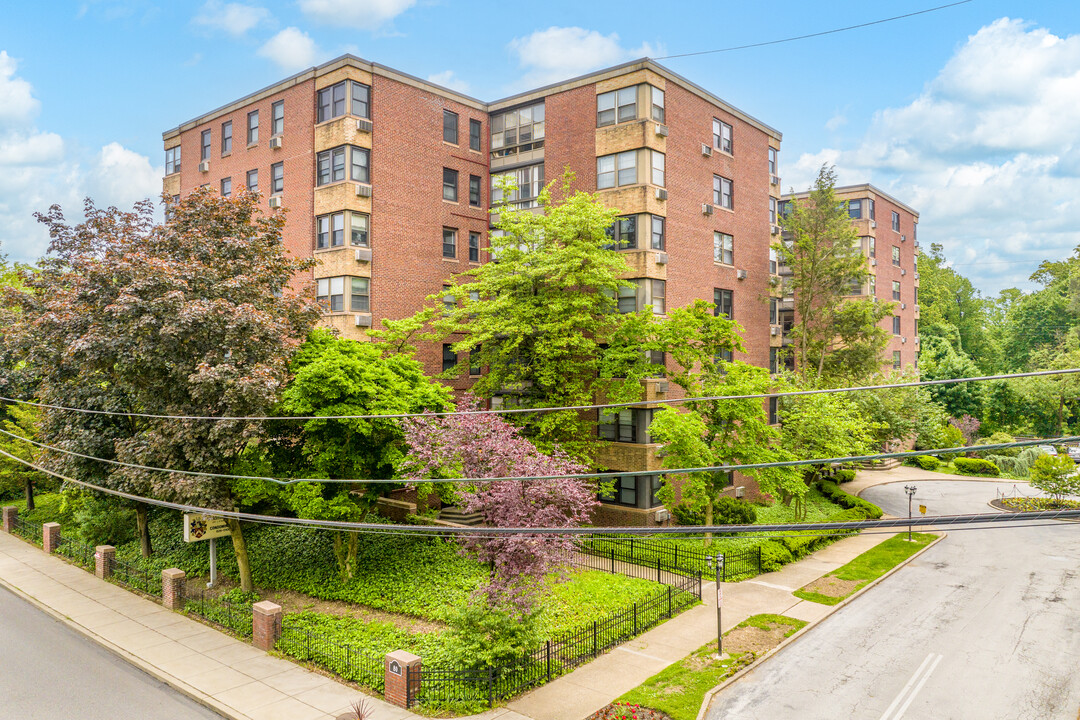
pixel 21 420
pixel 822 249
pixel 901 413
pixel 704 433
pixel 823 426
pixel 939 360
pixel 542 319
pixel 1055 475
pixel 335 376
pixel 195 317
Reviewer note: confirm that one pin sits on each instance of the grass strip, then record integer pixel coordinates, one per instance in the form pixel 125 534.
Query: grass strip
pixel 869 566
pixel 679 689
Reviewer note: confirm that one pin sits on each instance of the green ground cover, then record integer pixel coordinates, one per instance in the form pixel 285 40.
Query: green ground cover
pixel 868 567
pixel 679 689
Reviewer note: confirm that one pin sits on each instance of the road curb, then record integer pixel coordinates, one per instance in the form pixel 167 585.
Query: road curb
pixel 708 698
pixel 151 670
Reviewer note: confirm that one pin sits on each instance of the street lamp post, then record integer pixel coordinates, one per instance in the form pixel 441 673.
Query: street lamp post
pixel 910 490
pixel 719 559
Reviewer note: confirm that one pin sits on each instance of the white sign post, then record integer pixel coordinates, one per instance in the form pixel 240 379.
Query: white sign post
pixel 206 527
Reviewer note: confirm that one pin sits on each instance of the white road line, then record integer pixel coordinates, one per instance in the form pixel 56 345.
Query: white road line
pixel 931 660
pixel 926 676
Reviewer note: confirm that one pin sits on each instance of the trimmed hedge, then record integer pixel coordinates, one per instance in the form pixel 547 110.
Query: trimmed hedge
pixel 927 462
pixel 832 491
pixel 975 466
pixel 844 475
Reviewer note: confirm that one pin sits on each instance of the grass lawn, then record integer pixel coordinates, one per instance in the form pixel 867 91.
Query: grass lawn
pixel 678 690
pixel 864 569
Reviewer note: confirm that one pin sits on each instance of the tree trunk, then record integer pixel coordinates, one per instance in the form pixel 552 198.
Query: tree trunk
pixel 708 520
pixel 346 548
pixel 29 488
pixel 142 519
pixel 243 564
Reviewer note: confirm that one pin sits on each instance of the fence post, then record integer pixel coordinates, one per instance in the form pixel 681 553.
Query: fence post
pixel 631 548
pixel 594 648
pixel 549 660
pixel 676 555
pixel 399 669
pixel 104 561
pixel 635 619
pixel 491 689
pixel 172 588
pixel 10 513
pixel 50 537
pixel 613 561
pixel 266 624
pixel 658 568
pixel 759 559
pixel 669 602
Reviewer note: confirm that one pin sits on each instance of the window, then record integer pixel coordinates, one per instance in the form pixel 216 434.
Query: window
pixel 361 100
pixel 360 295
pixel 330 230
pixel 657 241
pixel 331 101
pixel 657 168
pixel 627 299
pixel 722 192
pixel 724 355
pixel 474 247
pixel 277 118
pixel 449 243
pixel 870 202
pixel 449 127
pixel 872 280
pixel 358 229
pixel 322 232
pixel 772 211
pixel 657 103
pixel 615 170
pixel 896 290
pixel 773 311
pixel 277 178
pixel 854 209
pixel 474 362
pixel 623 233
pixel 528 180
pixel 896 360
pixel 723 248
pixel 205 155
pixel 516 131
pixel 773 161
pixel 616 106
pixel 475 128
pixel 916 298
pixel 623 491
pixel 774 364
pixel 774 414
pixel 449 184
pixel 172 160
pixel 330 165
pixel 617 426
pixel 449 302
pixel 896 255
pixel 721 136
pixel 659 297
pixel 872 245
pixel 474 190
pixel 657 358
pixel 772 261
pixel 449 357
pixel 896 221
pixel 330 294
pixel 253 180
pixel 896 325
pixel 226 137
pixel 253 127
pixel 723 303
pixel 226 187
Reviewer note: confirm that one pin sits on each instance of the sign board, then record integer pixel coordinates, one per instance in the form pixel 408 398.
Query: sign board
pixel 394 667
pixel 204 527
pixel 922 509
pixel 719 596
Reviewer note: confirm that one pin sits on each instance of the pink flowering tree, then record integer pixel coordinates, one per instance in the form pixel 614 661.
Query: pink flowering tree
pixel 968 427
pixel 479 446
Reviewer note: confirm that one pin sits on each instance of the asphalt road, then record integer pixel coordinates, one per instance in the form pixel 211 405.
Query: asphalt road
pixel 986 624
pixel 49 671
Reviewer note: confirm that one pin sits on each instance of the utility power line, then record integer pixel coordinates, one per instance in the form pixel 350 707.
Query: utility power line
pixel 511 411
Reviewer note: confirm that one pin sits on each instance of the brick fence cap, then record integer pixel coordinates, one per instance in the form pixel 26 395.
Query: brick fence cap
pixel 51 525
pixel 266 607
pixel 173 573
pixel 404 657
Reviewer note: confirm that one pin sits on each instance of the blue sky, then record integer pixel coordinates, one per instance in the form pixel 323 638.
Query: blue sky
pixel 970 114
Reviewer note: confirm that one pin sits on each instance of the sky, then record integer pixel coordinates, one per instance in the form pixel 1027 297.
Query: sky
pixel 969 114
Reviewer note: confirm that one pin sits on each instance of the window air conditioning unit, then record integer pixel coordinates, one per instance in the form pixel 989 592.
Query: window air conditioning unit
pixel 774 229
pixel 363 190
pixel 774 329
pixel 774 179
pixel 706 150
pixel 903 306
pixel 741 274
pixel 916 308
pixel 873 262
pixel 662 386
pixel 903 271
pixel 873 224
pixel 275 202
pixel 363 125
pixel 362 320
pixel 204 166
pixel 661 130
pixel 661 194
pixel 740 491
pixel 903 238
pixel 916 276
pixel 363 254
pixel 661 258
pixel 903 340
pixel 275 143
pixel 662 514
pixel 706 209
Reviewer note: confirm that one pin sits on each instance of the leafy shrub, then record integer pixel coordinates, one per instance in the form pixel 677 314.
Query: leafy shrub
pixel 951 437
pixel 927 462
pixel 730 511
pixel 105 522
pixel 774 555
pixel 1055 475
pixel 832 491
pixel 1008 465
pixel 844 475
pixel 686 515
pixel 975 466
pixel 999 438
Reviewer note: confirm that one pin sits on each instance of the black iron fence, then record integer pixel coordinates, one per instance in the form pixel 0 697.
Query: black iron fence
pixel 351 662
pixel 136 577
pixel 672 556
pixel 79 553
pixel 28 530
pixel 234 617
pixel 560 654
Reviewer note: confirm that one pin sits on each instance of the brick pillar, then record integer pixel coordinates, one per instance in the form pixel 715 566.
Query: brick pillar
pixel 104 559
pixel 10 513
pixel 172 588
pixel 50 537
pixel 265 624
pixel 400 667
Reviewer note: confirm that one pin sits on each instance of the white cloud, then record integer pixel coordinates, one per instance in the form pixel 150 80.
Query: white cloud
pixel 560 53
pixel 38 169
pixel 360 14
pixel 291 49
pixel 233 18
pixel 988 153
pixel 447 79
pixel 835 122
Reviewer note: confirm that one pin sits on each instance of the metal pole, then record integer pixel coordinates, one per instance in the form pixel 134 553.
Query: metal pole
pixel 910 490
pixel 719 606
pixel 213 563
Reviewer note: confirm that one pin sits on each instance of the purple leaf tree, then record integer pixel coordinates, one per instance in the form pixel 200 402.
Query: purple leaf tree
pixel 478 446
pixel 968 427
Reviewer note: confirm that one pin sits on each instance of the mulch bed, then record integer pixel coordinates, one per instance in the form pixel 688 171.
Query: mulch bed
pixel 625 711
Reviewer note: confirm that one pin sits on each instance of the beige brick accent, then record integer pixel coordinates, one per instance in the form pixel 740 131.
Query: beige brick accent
pixel 343 73
pixel 634 199
pixel 340 131
pixel 341 261
pixel 634 78
pixel 340 196
pixel 629 456
pixel 171 185
pixel 643 264
pixel 628 136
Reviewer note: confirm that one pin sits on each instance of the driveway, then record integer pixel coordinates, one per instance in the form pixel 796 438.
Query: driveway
pixel 986 624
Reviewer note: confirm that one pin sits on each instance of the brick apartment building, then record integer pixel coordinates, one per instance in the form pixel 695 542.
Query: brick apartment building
pixel 388 181
pixel 887 233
